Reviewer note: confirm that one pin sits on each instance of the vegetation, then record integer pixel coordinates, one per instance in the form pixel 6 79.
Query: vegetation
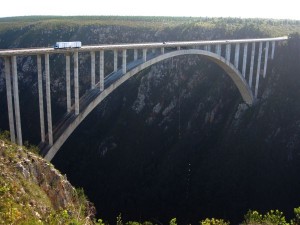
pixel 26 201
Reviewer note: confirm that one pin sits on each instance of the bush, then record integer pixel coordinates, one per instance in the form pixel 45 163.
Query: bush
pixel 213 221
pixel 253 217
pixel 275 217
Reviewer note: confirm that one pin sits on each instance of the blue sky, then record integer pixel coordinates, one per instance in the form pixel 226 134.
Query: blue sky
pixel 287 9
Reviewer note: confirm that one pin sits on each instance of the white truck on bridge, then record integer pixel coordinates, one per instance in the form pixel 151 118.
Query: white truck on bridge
pixel 73 44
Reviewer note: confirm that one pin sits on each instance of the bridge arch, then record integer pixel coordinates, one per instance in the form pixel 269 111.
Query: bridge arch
pixel 229 68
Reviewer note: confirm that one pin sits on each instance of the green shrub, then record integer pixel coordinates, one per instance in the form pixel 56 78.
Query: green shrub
pixel 173 221
pixel 253 217
pixel 213 221
pixel 296 220
pixel 274 217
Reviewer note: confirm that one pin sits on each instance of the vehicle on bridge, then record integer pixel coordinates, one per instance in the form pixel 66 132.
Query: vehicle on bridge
pixel 72 44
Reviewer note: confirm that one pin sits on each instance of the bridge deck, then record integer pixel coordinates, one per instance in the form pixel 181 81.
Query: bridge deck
pixel 89 48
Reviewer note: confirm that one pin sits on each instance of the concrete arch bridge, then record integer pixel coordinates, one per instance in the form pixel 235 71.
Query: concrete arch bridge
pixel 238 58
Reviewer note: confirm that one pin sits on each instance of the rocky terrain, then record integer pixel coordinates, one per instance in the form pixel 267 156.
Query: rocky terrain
pixel 32 191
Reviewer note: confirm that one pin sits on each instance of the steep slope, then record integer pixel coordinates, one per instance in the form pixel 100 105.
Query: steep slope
pixel 32 191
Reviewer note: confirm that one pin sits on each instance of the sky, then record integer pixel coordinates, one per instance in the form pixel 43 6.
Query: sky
pixel 287 9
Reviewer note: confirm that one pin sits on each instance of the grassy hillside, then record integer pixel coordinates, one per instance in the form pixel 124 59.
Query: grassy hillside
pixel 32 191
pixel 269 27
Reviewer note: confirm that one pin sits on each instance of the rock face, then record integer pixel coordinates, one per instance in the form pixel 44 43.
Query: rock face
pixel 35 190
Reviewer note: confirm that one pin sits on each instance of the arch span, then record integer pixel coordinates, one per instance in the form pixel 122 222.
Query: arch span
pixel 229 68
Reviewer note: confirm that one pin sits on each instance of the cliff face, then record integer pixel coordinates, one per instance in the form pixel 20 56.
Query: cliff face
pixel 176 140
pixel 32 190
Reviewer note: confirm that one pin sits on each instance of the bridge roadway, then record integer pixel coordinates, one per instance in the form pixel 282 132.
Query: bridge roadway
pixel 89 48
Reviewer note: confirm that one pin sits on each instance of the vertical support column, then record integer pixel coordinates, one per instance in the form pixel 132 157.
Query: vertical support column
pixel 144 54
pixel 68 82
pixel 101 72
pixel 93 70
pixel 76 83
pixel 209 48
pixel 245 59
pixel 228 51
pixel 237 55
pixel 218 49
pixel 266 58
pixel 258 69
pixel 162 50
pixel 48 100
pixel 178 47
pixel 205 47
pixel 135 54
pixel 124 61
pixel 16 100
pixel 41 97
pixel 273 49
pixel 115 60
pixel 251 64
pixel 9 100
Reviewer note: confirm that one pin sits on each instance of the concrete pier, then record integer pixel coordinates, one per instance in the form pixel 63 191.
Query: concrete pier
pixel 228 52
pixel 258 69
pixel 245 59
pixel 209 48
pixel 252 64
pixel 76 83
pixel 135 54
pixel 124 56
pixel 9 101
pixel 48 99
pixel 162 51
pixel 41 97
pixel 68 82
pixel 16 100
pixel 144 55
pixel 115 60
pixel 93 70
pixel 101 68
pixel 273 49
pixel 237 55
pixel 266 58
pixel 218 49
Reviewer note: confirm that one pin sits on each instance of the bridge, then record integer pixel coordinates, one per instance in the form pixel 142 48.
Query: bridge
pixel 239 66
